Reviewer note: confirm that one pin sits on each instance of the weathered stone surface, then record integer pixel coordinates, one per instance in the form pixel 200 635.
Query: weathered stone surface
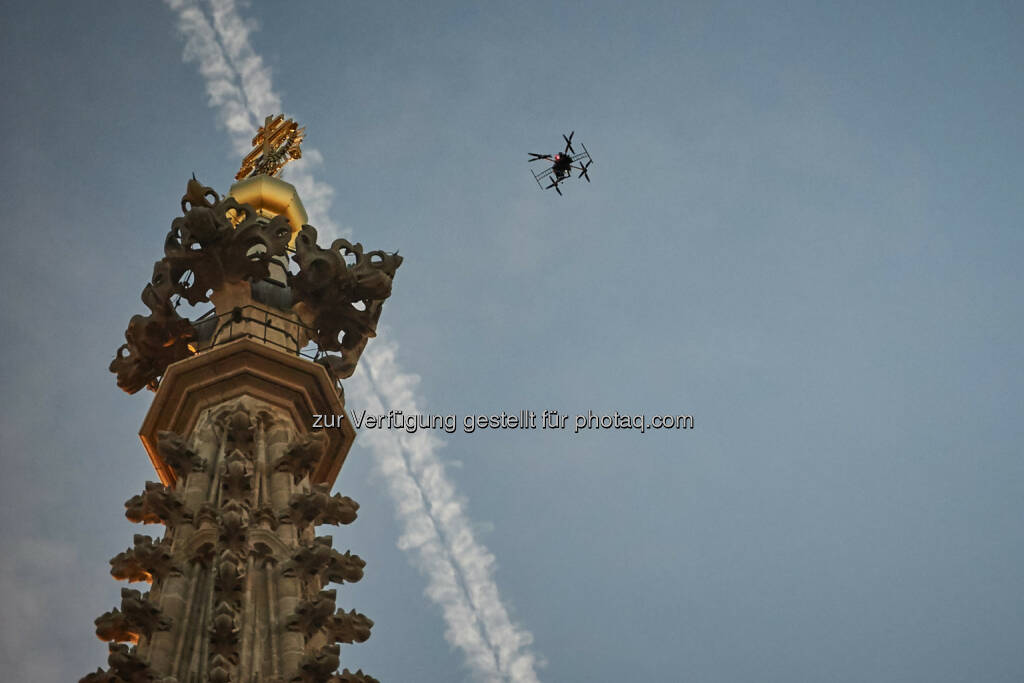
pixel 147 561
pixel 126 666
pixel 176 453
pixel 302 456
pixel 156 505
pixel 348 627
pixel 318 666
pixel 318 507
pixel 312 615
pixel 236 476
pixel 224 634
pixel 319 559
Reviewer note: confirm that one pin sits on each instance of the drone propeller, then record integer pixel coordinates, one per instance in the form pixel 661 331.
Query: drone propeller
pixel 554 184
pixel 583 171
pixel 537 157
pixel 568 142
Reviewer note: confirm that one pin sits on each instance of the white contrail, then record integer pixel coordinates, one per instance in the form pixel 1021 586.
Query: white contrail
pixel 436 530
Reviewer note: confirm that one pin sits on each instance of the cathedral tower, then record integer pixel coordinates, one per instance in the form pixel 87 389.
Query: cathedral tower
pixel 237 581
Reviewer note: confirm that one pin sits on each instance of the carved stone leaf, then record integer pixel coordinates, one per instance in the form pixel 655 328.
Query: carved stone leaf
pixel 224 633
pixel 234 526
pixel 152 341
pixel 319 507
pixel 310 559
pixel 319 558
pixel 142 615
pixel 342 568
pixel 207 242
pixel 302 455
pixel 146 561
pixel 126 665
pixel 178 456
pixel 157 504
pixel 113 625
pixel 240 431
pixel 236 476
pixel 348 627
pixel 319 665
pixel 220 669
pixel 230 580
pixel 327 287
pixel 312 615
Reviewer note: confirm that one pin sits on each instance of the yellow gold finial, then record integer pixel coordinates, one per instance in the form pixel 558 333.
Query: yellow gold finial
pixel 274 145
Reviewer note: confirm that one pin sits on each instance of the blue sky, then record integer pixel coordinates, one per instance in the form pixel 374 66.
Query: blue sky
pixel 804 229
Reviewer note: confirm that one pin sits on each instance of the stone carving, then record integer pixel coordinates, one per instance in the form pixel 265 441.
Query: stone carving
pixel 146 561
pixel 126 667
pixel 153 341
pixel 220 241
pixel 327 288
pixel 312 615
pixel 236 476
pixel 113 625
pixel 207 516
pixel 178 456
pixel 265 517
pixel 220 669
pixel 319 507
pixel 348 627
pixel 310 559
pixel 204 555
pixel 157 504
pixel 239 431
pixel 224 633
pixel 215 242
pixel 318 666
pixel 234 526
pixel 137 617
pixel 320 559
pixel 141 613
pixel 230 581
pixel 341 568
pixel 263 555
pixel 302 455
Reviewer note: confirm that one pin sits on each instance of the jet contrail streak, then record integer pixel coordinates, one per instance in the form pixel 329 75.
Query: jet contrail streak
pixel 435 528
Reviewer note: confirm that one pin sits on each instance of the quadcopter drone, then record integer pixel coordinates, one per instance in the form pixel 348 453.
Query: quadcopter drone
pixel 562 165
